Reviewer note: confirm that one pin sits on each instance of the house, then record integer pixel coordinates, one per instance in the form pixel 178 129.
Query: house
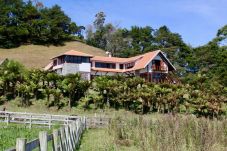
pixel 152 66
pixel 71 62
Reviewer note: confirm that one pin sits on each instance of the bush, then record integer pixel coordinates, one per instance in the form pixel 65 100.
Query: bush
pixel 3 99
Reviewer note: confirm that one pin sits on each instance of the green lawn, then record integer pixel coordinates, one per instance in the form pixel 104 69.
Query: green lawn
pixel 9 134
pixel 100 140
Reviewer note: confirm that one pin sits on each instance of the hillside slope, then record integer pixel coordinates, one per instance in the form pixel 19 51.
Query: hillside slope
pixel 37 56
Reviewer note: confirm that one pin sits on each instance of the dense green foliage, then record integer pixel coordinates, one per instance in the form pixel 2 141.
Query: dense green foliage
pixel 137 40
pixel 211 59
pixel 28 23
pixel 200 96
pixel 16 81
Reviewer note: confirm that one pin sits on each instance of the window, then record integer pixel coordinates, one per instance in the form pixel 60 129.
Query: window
pixel 55 62
pixel 77 59
pixel 105 65
pixel 85 59
pixel 121 66
pixel 129 65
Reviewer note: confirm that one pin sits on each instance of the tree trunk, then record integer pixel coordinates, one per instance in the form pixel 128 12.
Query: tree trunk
pixel 70 101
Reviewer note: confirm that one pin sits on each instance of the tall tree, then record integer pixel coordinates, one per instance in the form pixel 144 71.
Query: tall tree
pixel 23 22
pixel 99 20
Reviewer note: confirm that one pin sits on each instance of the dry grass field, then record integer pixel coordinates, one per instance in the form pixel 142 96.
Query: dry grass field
pixel 38 56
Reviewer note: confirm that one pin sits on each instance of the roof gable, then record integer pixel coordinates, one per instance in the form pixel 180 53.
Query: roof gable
pixel 74 53
pixel 141 61
pixel 146 59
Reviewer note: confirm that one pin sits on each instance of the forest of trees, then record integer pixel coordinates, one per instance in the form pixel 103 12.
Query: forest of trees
pixel 209 60
pixel 32 23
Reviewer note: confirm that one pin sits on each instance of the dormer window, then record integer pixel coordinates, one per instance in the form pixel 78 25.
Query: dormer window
pixel 129 65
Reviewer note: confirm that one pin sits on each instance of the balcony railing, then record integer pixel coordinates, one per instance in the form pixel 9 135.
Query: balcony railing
pixel 159 68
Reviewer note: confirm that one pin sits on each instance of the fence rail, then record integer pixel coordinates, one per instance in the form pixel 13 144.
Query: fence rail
pixel 66 138
pixel 36 119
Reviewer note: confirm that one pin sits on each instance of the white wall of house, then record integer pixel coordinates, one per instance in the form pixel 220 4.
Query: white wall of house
pixel 57 66
pixel 68 68
pixel 75 68
pixel 93 63
pixel 117 66
pixel 59 71
pixel 85 67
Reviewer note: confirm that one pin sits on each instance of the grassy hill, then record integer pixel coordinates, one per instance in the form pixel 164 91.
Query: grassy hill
pixel 37 56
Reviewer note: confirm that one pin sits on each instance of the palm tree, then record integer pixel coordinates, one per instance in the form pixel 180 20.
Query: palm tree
pixel 74 87
pixel 11 72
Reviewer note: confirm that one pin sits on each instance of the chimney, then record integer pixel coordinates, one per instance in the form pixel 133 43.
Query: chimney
pixel 108 53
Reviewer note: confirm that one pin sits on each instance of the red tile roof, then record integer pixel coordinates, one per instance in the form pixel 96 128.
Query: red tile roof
pixel 114 59
pixel 74 53
pixel 143 61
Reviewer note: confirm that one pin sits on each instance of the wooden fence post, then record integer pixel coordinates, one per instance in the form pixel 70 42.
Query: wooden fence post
pixel 95 120
pixel 63 141
pixel 8 119
pixel 84 123
pixel 21 144
pixel 50 121
pixel 72 136
pixel 43 140
pixel 55 140
pixel 30 122
pixel 68 137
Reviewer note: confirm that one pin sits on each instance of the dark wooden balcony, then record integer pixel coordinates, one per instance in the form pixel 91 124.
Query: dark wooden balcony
pixel 159 68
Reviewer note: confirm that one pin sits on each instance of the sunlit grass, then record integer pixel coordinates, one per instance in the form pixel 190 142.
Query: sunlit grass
pixel 38 56
pixel 158 133
pixel 9 134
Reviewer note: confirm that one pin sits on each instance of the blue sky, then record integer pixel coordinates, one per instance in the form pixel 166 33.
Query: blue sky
pixel 197 21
